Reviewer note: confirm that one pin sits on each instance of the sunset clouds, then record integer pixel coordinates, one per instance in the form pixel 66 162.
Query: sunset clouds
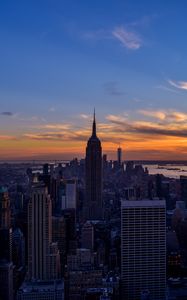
pixel 156 130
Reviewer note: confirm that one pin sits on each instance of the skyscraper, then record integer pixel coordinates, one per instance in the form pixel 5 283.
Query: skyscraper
pixel 43 255
pixel 6 265
pixel 119 156
pixel 4 208
pixel 93 180
pixel 183 182
pixel 143 249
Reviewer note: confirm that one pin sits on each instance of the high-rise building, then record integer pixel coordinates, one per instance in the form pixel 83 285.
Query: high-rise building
pixel 183 182
pixel 6 280
pixel 87 237
pixel 59 236
pixel 93 178
pixel 4 208
pixel 43 256
pixel 68 194
pixel 6 265
pixel 143 249
pixel 119 156
pixel 18 246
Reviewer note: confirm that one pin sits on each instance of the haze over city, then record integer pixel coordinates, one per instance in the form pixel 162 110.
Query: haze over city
pixel 60 59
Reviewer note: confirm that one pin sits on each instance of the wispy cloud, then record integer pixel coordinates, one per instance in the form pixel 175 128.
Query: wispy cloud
pixel 85 116
pixel 7 138
pixel 7 113
pixel 155 114
pixel 173 124
pixel 168 89
pixel 178 84
pixel 52 109
pixel 165 115
pixel 57 126
pixel 127 38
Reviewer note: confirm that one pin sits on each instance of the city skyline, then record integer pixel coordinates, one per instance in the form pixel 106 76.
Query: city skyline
pixel 60 60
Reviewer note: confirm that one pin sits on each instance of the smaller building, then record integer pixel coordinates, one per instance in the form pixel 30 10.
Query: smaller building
pixel 40 290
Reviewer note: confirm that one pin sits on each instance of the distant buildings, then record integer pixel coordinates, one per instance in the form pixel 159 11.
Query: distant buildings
pixel 93 199
pixel 40 290
pixel 143 249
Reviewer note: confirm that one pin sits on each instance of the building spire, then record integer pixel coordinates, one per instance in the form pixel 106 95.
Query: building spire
pixel 94 126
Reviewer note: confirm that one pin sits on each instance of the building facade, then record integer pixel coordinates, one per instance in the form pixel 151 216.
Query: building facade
pixel 143 249
pixel 43 256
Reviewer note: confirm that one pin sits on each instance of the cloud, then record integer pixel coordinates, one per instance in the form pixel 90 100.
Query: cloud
pixel 178 84
pixel 56 126
pixel 166 115
pixel 7 113
pixel 165 88
pixel 58 136
pixel 127 38
pixel 112 89
pixel 7 137
pixel 52 109
pixel 155 114
pixel 85 117
pixel 173 124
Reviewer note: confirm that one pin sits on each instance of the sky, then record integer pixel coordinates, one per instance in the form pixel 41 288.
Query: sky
pixel 61 58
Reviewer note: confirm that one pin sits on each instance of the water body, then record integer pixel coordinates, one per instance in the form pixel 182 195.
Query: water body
pixel 168 170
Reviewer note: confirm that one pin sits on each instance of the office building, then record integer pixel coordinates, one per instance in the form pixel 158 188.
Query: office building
pixel 43 256
pixel 40 290
pixel 6 265
pixel 183 182
pixel 93 199
pixel 68 194
pixel 6 280
pixel 143 249
pixel 87 238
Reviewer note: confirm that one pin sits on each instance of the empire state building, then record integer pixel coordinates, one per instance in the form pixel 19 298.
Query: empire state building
pixel 94 207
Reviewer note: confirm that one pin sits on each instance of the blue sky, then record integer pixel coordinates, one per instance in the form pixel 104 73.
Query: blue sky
pixel 60 59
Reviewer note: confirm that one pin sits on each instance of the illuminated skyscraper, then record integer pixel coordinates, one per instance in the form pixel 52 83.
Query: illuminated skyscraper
pixel 93 197
pixel 143 249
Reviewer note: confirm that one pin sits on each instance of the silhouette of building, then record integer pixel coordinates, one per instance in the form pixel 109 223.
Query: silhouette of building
pixel 93 179
pixel 143 249
pixel 6 265
pixel 87 238
pixel 183 182
pixel 43 255
pixel 40 290
pixel 119 156
pixel 6 280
